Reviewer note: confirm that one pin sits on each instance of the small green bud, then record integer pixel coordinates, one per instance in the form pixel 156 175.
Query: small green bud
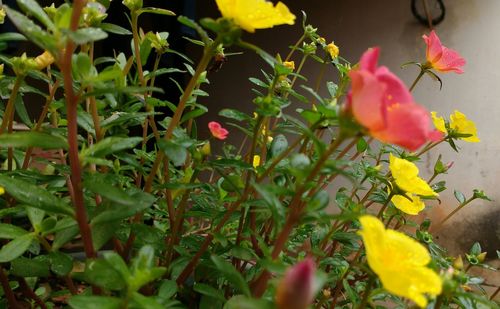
pixel 21 65
pixel 133 5
pixel 458 263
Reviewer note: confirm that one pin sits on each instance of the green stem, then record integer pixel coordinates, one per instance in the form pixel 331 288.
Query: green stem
pixel 415 82
pixel 174 122
pixel 384 207
pixel 10 103
pixel 451 214
pixel 366 296
pixel 294 47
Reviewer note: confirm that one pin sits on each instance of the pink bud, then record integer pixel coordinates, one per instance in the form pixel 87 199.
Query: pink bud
pixel 217 130
pixel 449 165
pixel 296 289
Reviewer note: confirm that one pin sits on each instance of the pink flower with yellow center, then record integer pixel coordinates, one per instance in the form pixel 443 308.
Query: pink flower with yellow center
pixel 441 58
pixel 381 103
pixel 217 130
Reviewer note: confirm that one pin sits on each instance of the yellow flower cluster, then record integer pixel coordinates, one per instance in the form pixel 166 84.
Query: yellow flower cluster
pixel 405 175
pixel 459 123
pixel 399 261
pixel 333 50
pixel 255 14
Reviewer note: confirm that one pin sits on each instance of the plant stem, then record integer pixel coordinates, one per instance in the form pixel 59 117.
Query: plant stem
pixel 366 296
pixel 440 224
pixel 439 301
pixel 294 47
pixel 415 82
pixel 72 107
pixel 174 122
pixel 28 292
pixel 9 294
pixel 492 297
pixel 383 208
pixel 10 103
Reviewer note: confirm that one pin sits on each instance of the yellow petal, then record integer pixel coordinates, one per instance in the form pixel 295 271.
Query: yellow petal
pixel 413 207
pixel 405 175
pixel 439 122
pixel 255 14
pixel 461 124
pixel 256 161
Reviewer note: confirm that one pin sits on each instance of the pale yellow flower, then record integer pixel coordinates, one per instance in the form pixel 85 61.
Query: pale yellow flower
pixel 255 14
pixel 43 60
pixel 439 123
pixel 399 261
pixel 405 175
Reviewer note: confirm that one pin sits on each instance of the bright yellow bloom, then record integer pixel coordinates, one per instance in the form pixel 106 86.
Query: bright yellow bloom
pixel 405 175
pixel 289 64
pixel 399 261
pixel 2 190
pixel 412 207
pixel 333 50
pixel 459 123
pixel 256 161
pixel 255 14
pixel 439 123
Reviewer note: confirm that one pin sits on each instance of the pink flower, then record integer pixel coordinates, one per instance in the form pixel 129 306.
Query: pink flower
pixel 441 58
pixel 217 130
pixel 383 105
pixel 297 288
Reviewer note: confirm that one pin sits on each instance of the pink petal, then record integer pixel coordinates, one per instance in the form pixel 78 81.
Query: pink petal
pixel 369 59
pixel 366 100
pixel 450 61
pixel 408 125
pixel 434 47
pixel 396 91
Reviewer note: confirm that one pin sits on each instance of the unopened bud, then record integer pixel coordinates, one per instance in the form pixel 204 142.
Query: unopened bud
pixel 481 257
pixel 206 149
pixel 289 64
pixel 296 289
pixel 133 5
pixel 458 263
pixel 333 50
pixel 44 60
pixel 2 16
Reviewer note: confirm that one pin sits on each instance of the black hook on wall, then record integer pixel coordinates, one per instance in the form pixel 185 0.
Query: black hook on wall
pixel 428 12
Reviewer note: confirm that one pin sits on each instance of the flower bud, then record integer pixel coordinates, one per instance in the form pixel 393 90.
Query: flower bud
pixel 133 5
pixel 205 149
pixel 256 161
pixel 296 289
pixel 2 16
pixel 458 263
pixel 481 257
pixel 289 64
pixel 43 60
pixel 333 50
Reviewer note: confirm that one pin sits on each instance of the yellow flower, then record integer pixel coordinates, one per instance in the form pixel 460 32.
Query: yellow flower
pixel 333 50
pixel 322 40
pixel 439 123
pixel 2 190
pixel 459 123
pixel 255 14
pixel 405 175
pixel 289 64
pixel 399 261
pixel 256 161
pixel 412 207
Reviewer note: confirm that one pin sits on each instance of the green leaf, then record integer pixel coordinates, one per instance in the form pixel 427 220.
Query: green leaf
pixel 32 31
pixel 32 7
pixel 231 274
pixel 12 36
pixel 33 139
pixel 145 302
pixel 278 145
pixel 243 302
pixel 234 114
pixel 110 145
pixel 361 145
pixel 9 231
pixel 115 29
pixel 167 289
pixel 175 152
pixel 103 231
pixel 92 302
pixel 100 273
pixel 60 263
pixel 87 35
pixel 208 290
pixel 459 196
pixel 34 196
pixel 116 261
pixel 155 11
pixel 24 267
pixel 15 248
